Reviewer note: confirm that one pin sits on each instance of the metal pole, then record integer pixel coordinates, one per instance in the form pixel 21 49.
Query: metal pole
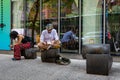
pixel 59 19
pixel 104 20
pixel 25 16
pixel 79 3
pixel 40 16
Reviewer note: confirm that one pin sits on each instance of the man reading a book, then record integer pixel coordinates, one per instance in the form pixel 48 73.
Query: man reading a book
pixel 49 38
pixel 49 42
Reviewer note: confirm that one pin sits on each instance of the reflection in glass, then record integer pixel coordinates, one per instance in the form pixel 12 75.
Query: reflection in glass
pixel 33 18
pixel 50 13
pixel 113 24
pixel 17 14
pixel 91 22
pixel 69 21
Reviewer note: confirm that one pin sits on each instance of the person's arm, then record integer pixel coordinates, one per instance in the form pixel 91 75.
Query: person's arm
pixel 73 36
pixel 19 39
pixel 56 35
pixel 42 37
pixel 56 42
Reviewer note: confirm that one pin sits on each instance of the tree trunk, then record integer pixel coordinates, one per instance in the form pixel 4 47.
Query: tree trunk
pixel 35 18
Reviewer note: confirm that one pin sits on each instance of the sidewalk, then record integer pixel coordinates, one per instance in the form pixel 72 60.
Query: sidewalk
pixel 34 69
pixel 68 55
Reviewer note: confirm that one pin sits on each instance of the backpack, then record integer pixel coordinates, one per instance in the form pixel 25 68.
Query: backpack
pixel 29 39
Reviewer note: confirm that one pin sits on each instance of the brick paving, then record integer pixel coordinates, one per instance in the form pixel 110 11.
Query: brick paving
pixel 34 69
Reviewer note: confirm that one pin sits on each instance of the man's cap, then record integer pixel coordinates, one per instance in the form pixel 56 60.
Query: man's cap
pixel 49 26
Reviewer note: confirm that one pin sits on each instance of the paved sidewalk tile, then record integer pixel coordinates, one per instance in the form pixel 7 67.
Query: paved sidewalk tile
pixel 34 69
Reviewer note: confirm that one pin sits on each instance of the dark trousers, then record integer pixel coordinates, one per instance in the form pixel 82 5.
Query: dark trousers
pixel 72 44
pixel 18 47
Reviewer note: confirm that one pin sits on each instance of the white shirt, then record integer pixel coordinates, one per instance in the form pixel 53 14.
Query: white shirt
pixel 49 37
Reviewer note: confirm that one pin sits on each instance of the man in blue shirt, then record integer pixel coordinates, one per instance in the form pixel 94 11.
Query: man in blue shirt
pixel 70 40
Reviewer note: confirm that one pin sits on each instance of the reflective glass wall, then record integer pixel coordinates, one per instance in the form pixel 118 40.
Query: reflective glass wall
pixel 32 20
pixel 92 26
pixel 113 24
pixel 85 17
pixel 17 13
pixel 49 13
pixel 63 14
pixel 25 17
pixel 69 21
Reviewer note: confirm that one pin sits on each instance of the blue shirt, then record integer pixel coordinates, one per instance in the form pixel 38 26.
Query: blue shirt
pixel 68 36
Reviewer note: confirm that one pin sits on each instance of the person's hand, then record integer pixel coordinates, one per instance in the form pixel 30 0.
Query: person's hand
pixel 56 44
pixel 11 46
pixel 44 43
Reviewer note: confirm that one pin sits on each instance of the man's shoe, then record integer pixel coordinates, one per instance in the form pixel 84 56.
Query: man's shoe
pixel 66 60
pixel 15 59
pixel 61 62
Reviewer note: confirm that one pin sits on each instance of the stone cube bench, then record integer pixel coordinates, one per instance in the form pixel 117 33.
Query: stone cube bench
pixel 98 59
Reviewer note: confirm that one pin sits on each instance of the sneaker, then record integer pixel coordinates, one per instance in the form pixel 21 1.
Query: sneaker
pixel 15 59
pixel 61 62
pixel 66 60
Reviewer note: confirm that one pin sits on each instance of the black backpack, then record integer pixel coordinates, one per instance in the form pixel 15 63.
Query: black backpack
pixel 29 39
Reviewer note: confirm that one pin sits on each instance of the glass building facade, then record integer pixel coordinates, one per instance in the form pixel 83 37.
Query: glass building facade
pixel 95 21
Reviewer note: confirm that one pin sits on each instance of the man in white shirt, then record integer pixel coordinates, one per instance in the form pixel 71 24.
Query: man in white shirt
pixel 49 38
pixel 49 42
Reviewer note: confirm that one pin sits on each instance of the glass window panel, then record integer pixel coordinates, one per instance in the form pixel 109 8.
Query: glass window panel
pixel 33 18
pixel 50 13
pixel 91 21
pixel 69 21
pixel 113 24
pixel 17 14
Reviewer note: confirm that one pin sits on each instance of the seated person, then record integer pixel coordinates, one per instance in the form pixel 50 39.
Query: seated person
pixel 70 40
pixel 49 39
pixel 21 42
